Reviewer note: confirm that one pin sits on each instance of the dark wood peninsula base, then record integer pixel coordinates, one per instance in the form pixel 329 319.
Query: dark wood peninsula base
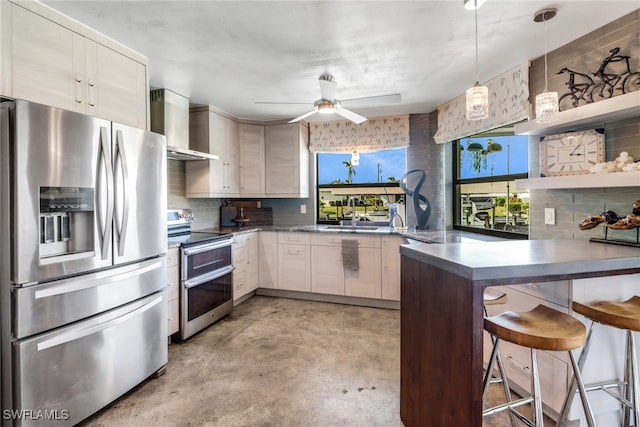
pixel 442 318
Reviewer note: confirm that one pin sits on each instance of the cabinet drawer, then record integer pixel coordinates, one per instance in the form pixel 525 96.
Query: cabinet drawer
pixel 295 238
pixel 331 239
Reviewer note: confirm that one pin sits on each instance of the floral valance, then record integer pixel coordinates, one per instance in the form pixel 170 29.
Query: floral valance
pixel 379 133
pixel 508 103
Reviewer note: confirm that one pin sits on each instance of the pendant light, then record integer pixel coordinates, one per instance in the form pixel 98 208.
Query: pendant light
pixel 473 4
pixel 478 95
pixel 546 102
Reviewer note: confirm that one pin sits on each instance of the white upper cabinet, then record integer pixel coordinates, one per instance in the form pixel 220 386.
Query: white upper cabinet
pixel 252 160
pixel 49 59
pixel 287 160
pixel 212 133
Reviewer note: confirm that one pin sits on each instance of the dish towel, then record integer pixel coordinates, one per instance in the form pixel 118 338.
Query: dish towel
pixel 350 254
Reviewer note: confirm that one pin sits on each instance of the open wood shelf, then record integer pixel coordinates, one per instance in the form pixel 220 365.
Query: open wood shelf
pixel 587 116
pixel 599 180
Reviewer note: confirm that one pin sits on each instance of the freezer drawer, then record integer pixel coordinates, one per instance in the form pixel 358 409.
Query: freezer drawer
pixel 44 307
pixel 75 371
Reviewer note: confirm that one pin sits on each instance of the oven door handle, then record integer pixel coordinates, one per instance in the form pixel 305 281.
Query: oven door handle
pixel 207 247
pixel 207 277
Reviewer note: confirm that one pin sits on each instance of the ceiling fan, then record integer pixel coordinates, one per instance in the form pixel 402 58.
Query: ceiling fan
pixel 327 104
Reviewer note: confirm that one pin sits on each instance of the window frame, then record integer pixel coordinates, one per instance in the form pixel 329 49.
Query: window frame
pixel 457 182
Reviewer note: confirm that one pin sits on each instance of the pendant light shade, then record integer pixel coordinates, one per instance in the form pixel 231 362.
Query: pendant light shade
pixel 547 107
pixel 477 102
pixel 477 106
pixel 473 4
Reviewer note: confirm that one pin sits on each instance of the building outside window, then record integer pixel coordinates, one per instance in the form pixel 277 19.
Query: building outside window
pixel 485 199
pixel 369 181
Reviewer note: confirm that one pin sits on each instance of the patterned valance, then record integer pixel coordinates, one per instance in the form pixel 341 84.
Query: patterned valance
pixel 508 103
pixel 379 133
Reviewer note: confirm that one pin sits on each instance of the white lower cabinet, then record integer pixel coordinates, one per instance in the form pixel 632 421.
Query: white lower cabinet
pixel 391 266
pixel 173 283
pixel 294 262
pixel 245 263
pixel 329 274
pixel 268 259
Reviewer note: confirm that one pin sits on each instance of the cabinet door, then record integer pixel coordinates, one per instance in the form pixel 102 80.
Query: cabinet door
pixel 42 60
pixel 252 160
pixel 293 267
pixel 285 165
pixel 365 281
pixel 327 274
pixel 391 267
pixel 239 256
pixel 115 90
pixel 268 259
pixel 232 157
pixel 173 295
pixel 253 265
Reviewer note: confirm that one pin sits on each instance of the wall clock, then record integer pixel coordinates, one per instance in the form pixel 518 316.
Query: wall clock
pixel 571 153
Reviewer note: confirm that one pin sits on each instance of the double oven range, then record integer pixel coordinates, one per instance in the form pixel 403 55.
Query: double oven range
pixel 206 287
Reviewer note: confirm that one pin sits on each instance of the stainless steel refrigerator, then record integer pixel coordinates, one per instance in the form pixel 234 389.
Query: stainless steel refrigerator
pixel 82 271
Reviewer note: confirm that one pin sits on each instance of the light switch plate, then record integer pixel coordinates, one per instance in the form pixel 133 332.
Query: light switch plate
pixel 303 208
pixel 550 216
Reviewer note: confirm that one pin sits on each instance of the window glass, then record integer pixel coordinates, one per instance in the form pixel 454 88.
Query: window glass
pixel 485 197
pixel 369 183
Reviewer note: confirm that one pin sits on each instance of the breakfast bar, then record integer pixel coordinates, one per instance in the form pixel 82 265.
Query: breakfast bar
pixel 442 313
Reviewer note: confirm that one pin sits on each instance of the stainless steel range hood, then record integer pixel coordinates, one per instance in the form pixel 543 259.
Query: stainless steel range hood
pixel 170 117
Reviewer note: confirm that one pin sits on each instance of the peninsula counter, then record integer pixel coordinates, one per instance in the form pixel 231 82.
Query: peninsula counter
pixel 442 316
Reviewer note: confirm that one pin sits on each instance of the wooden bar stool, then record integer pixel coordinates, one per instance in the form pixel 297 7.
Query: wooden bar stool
pixel 495 297
pixel 541 328
pixel 623 315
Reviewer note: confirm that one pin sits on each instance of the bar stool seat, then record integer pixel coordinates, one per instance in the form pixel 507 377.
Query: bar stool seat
pixel 493 297
pixel 541 328
pixel 623 315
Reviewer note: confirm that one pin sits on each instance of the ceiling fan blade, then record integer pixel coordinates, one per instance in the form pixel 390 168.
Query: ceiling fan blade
pixel 282 103
pixel 393 98
pixel 305 115
pixel 347 114
pixel 327 87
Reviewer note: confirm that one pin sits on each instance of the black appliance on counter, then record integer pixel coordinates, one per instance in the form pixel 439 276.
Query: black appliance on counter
pixel 206 285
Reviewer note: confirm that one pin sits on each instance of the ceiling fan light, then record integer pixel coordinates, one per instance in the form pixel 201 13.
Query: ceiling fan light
pixel 477 102
pixel 326 108
pixel 547 107
pixel 473 4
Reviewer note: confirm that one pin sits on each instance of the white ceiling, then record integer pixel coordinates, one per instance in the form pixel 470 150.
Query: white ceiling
pixel 230 54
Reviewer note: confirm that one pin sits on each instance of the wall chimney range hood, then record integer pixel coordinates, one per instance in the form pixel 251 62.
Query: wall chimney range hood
pixel 170 117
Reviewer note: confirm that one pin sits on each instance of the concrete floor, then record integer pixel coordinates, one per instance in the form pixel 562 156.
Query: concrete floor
pixel 277 362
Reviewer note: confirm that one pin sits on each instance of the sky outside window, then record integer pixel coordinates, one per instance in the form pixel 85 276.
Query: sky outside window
pixel 374 167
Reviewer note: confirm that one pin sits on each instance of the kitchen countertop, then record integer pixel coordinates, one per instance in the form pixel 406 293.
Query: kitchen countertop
pixel 442 236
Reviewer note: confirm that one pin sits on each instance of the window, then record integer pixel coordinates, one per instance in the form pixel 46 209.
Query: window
pixel 370 184
pixel 485 198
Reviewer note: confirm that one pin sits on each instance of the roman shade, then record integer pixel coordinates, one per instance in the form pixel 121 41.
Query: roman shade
pixel 508 104
pixel 379 133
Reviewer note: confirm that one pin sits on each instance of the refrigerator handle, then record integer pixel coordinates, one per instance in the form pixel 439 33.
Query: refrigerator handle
pixel 78 333
pixel 121 228
pixel 104 225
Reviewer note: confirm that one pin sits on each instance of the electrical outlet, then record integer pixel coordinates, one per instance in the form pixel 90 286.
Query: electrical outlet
pixel 550 216
pixel 303 208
